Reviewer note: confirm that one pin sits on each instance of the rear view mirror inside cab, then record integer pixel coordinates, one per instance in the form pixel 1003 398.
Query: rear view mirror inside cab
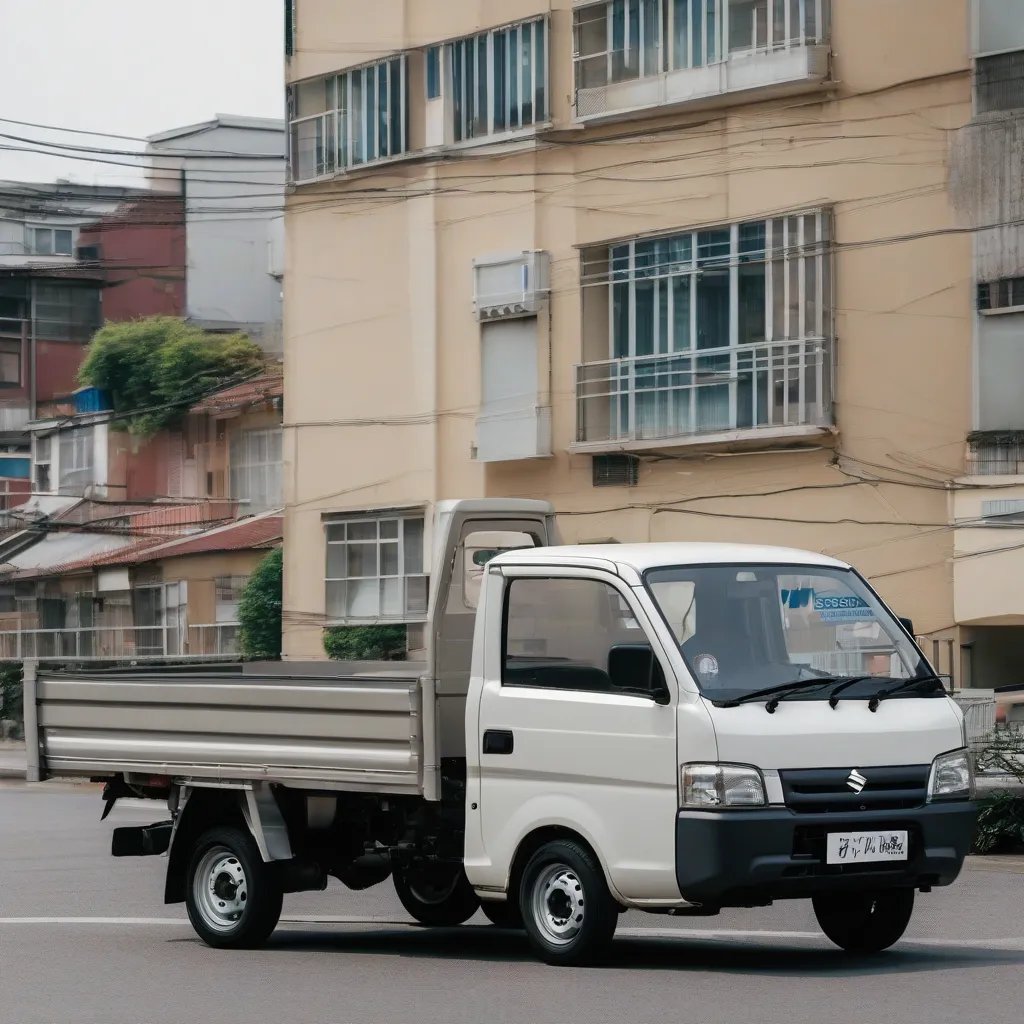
pixel 478 549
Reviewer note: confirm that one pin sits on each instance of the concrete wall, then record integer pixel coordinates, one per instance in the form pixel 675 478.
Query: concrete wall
pixel 382 349
pixel 232 204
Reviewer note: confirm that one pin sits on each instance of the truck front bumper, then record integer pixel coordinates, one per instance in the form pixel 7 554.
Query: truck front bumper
pixel 749 858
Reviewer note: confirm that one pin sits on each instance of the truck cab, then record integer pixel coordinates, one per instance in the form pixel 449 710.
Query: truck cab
pixel 685 727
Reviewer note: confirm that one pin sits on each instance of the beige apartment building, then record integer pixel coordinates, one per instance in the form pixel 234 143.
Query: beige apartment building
pixel 689 269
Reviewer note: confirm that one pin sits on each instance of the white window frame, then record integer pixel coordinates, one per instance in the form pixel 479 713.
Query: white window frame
pixel 778 26
pixel 336 536
pixel 80 443
pixel 341 131
pixel 509 39
pixel 784 354
pixel 242 468
pixel 31 231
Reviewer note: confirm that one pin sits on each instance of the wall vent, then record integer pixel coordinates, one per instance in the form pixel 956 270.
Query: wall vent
pixel 616 470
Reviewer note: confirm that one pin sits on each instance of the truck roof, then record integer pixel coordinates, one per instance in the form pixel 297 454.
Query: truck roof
pixel 642 557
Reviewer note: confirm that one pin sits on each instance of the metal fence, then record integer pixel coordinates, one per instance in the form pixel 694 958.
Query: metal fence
pixel 117 643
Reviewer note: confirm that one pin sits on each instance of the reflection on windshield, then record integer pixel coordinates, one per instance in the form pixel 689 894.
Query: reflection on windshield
pixel 745 628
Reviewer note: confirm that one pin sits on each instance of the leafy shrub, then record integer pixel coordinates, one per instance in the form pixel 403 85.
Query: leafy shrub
pixel 259 610
pixel 156 367
pixel 1000 826
pixel 365 643
pixel 11 701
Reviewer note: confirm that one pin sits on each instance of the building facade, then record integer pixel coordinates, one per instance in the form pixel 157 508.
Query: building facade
pixel 72 256
pixel 689 269
pixel 231 173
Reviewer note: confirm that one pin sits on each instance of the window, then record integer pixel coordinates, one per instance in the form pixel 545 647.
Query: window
pixel 433 72
pixel 744 628
pixel 67 312
pixel 620 40
pixel 228 591
pixel 701 329
pixel 999 82
pixel 49 241
pixel 76 460
pixel 375 570
pixel 352 118
pixel 998 46
pixel 256 469
pixel 1007 293
pixel 42 464
pixel 499 80
pixel 10 366
pixel 573 634
pixel 289 28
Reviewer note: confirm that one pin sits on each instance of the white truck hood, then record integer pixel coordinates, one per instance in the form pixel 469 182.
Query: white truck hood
pixel 810 734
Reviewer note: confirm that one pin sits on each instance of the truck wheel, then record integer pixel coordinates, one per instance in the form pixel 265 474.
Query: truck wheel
pixel 232 897
pixel 568 912
pixel 864 922
pixel 436 894
pixel 502 915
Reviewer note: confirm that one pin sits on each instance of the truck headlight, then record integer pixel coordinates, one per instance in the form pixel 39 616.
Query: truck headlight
pixel 951 777
pixel 721 785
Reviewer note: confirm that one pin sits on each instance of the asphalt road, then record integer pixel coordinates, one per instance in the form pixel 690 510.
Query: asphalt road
pixel 85 938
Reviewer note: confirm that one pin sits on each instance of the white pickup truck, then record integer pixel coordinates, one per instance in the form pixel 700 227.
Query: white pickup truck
pixel 673 728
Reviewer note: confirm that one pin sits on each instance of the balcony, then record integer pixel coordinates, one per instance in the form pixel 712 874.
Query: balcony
pixel 635 55
pixel 744 393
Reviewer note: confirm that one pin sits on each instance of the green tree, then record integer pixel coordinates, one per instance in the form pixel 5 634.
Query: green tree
pixel 365 643
pixel 259 611
pixel 156 367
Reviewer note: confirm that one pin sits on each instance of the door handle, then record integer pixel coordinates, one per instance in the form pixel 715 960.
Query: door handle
pixel 498 741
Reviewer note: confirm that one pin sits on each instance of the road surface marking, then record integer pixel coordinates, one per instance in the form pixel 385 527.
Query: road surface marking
pixel 719 934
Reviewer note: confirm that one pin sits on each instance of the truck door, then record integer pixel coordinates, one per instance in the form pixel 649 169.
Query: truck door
pixel 472 533
pixel 571 731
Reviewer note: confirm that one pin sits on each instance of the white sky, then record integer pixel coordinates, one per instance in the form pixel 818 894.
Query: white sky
pixel 130 67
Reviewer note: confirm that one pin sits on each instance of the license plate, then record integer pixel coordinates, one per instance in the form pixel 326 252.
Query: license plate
pixel 865 847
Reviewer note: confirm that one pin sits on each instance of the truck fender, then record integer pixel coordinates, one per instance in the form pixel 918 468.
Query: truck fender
pixel 203 807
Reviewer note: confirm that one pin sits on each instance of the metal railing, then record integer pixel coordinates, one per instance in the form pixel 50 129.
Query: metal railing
pixel 705 391
pixel 121 643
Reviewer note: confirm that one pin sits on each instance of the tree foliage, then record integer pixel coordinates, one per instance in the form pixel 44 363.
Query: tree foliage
pixel 11 708
pixel 365 643
pixel 1000 827
pixel 259 611
pixel 156 367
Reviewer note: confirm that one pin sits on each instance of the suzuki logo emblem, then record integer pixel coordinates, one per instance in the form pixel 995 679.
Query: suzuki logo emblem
pixel 856 781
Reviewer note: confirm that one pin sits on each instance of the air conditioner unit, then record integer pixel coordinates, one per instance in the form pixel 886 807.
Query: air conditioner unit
pixel 510 285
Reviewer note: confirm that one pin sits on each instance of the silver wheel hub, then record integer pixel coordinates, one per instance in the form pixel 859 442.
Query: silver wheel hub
pixel 220 889
pixel 558 904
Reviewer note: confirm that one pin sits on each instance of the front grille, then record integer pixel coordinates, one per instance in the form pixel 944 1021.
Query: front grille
pixel 828 790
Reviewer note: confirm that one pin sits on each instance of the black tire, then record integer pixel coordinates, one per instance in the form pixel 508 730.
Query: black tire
pixel 436 894
pixel 567 910
pixel 864 922
pixel 233 898
pixel 502 915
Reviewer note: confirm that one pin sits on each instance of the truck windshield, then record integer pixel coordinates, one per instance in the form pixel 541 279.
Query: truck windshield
pixel 746 628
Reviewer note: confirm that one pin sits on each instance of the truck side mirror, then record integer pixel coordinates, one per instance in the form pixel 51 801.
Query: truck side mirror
pixel 634 667
pixel 908 625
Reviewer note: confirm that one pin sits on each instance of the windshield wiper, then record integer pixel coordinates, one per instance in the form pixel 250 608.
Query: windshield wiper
pixel 833 697
pixel 774 691
pixel 906 684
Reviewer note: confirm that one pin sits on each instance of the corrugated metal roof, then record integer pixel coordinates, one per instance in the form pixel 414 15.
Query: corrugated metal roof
pixel 57 550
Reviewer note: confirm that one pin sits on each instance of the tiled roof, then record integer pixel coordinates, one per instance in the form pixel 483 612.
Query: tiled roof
pixel 253 392
pixel 254 533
